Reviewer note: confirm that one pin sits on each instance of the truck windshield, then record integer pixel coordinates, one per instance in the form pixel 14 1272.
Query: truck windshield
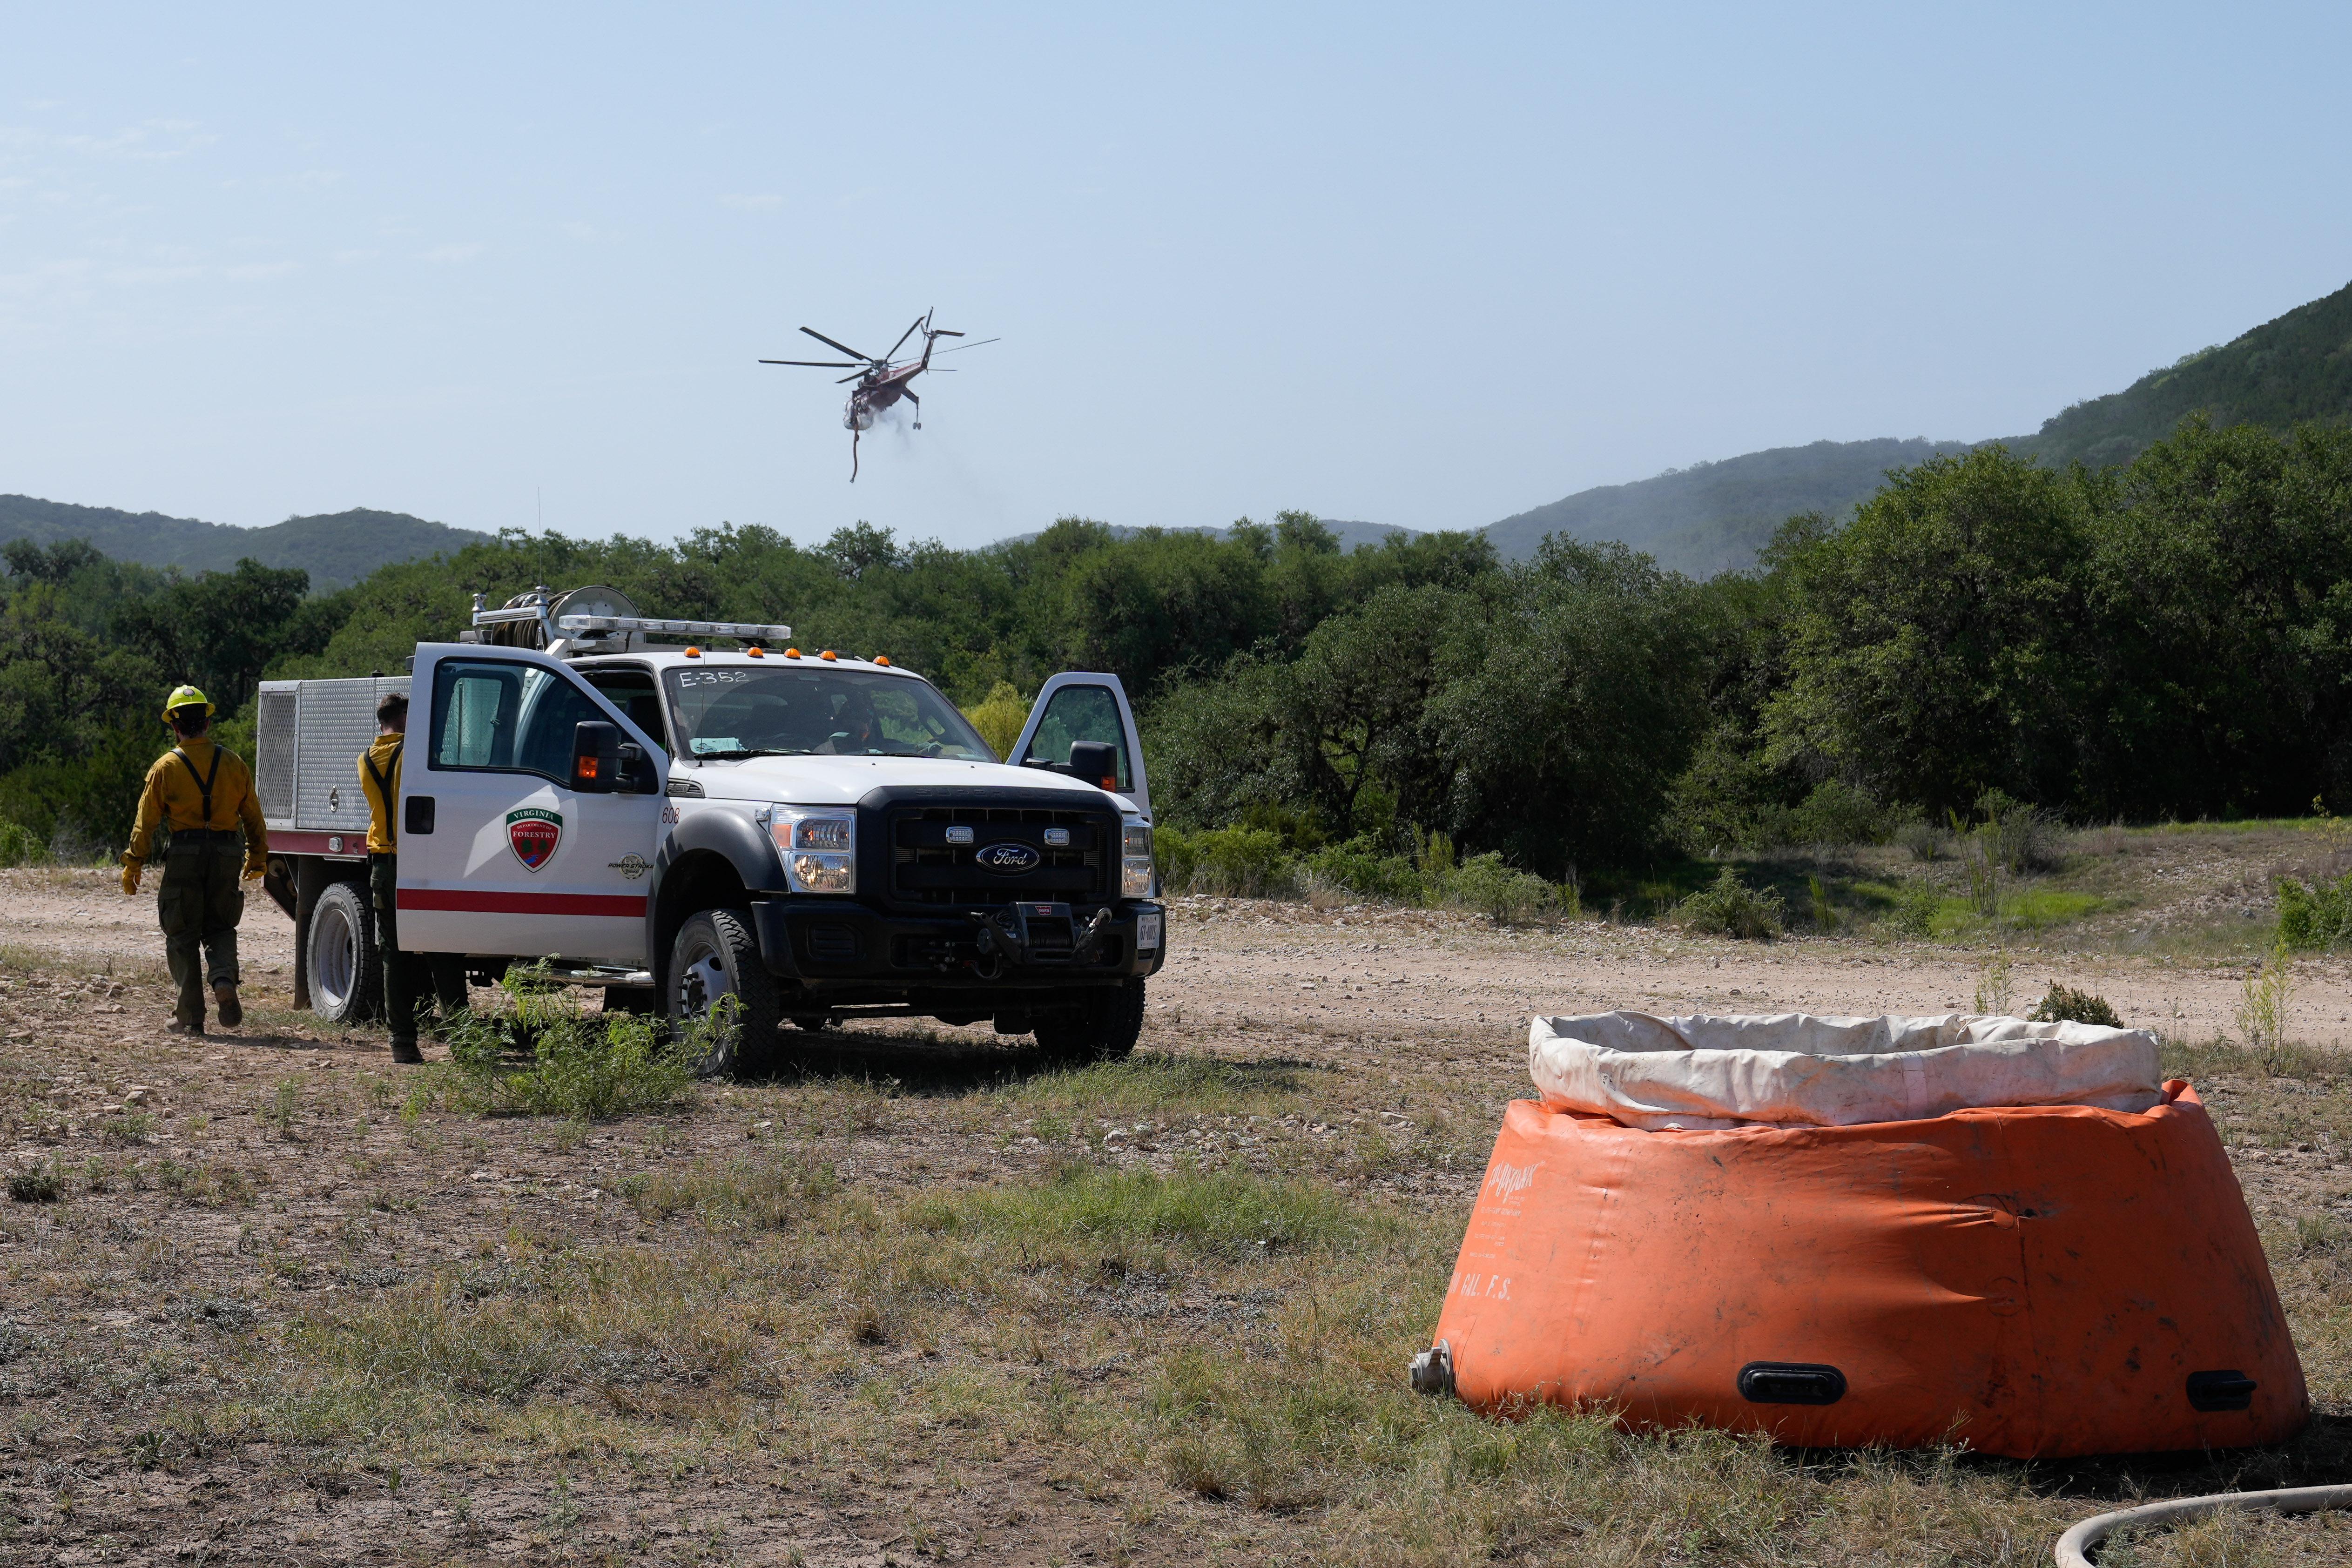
pixel 802 711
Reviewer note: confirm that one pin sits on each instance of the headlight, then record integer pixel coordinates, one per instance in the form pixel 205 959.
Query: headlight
pixel 819 849
pixel 1135 861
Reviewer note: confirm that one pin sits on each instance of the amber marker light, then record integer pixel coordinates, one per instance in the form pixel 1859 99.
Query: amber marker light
pixel 792 653
pixel 828 654
pixel 883 659
pixel 756 652
pixel 693 653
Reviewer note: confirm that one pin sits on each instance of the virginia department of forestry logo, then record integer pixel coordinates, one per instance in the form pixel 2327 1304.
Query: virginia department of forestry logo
pixel 534 834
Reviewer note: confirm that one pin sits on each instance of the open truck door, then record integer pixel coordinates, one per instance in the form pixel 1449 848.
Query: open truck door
pixel 528 803
pixel 1077 706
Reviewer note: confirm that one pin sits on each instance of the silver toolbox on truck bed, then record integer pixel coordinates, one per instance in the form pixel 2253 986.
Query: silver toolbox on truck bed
pixel 307 752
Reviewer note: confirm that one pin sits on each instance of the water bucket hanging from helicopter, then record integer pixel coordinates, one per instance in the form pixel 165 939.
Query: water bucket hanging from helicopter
pixel 856 415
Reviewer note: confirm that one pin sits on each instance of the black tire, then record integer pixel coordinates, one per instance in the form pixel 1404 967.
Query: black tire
pixel 1100 1024
pixel 346 969
pixel 715 956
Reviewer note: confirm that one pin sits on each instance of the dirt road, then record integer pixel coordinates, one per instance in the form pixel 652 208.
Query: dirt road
pixel 1357 977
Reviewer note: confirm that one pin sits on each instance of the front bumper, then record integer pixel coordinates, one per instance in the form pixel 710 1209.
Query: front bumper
pixel 846 951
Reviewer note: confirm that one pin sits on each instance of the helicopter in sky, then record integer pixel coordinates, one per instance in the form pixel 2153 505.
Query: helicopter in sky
pixel 881 380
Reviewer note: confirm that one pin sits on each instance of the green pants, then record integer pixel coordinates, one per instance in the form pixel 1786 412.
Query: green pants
pixel 410 979
pixel 200 905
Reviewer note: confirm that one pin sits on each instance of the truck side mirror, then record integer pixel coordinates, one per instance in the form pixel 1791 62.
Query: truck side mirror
pixel 637 775
pixel 596 756
pixel 1095 762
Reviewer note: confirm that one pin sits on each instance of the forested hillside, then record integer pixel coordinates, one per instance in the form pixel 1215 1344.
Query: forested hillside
pixel 1715 517
pixel 332 549
pixel 2170 639
pixel 2294 369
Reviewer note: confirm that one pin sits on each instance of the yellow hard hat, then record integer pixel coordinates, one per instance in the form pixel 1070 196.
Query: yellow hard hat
pixel 186 696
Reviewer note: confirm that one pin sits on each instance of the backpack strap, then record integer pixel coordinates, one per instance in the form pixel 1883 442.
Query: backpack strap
pixel 203 782
pixel 383 788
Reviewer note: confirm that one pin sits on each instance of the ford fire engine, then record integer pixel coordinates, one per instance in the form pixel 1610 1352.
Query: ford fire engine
pixel 814 835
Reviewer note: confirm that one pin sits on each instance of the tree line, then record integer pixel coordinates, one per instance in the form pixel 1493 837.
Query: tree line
pixel 2168 639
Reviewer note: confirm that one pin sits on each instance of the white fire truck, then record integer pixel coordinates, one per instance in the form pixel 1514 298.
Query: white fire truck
pixel 816 835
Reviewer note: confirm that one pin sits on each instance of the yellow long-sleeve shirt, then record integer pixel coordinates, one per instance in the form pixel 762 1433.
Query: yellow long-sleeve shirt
pixel 173 797
pixel 384 755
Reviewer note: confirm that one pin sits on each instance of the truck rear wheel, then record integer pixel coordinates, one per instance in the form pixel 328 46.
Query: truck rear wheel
pixel 717 957
pixel 346 969
pixel 1101 1025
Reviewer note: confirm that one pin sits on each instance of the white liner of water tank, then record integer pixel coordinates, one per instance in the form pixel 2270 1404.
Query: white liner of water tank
pixel 1803 1070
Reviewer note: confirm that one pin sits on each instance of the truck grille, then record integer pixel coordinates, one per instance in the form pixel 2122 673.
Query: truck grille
pixel 926 869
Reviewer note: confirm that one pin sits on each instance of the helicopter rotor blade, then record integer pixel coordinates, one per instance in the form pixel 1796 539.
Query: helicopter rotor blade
pixel 847 380
pixel 959 348
pixel 820 364
pixel 902 339
pixel 828 342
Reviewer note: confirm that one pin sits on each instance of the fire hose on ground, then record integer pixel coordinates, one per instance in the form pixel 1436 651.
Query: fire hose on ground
pixel 2074 1547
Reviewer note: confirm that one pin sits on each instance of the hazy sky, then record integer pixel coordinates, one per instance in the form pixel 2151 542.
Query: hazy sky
pixel 1427 266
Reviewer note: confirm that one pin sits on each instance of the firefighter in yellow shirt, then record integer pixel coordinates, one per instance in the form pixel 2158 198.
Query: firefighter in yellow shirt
pixel 409 979
pixel 200 794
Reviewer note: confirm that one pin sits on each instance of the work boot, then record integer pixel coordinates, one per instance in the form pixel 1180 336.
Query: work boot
pixel 405 1053
pixel 232 1011
pixel 182 1026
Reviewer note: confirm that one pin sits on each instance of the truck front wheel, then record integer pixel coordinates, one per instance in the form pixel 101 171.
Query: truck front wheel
pixel 346 970
pixel 716 958
pixel 1099 1024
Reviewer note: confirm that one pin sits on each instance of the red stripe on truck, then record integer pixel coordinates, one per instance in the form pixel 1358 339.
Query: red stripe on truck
pixel 618 905
pixel 290 841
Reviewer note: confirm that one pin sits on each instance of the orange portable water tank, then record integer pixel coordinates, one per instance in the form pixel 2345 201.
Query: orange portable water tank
pixel 2029 1281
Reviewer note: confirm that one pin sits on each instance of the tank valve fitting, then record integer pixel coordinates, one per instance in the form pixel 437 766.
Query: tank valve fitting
pixel 1433 1370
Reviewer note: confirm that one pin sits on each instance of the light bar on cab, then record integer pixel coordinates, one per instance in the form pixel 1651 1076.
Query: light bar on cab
pixel 605 625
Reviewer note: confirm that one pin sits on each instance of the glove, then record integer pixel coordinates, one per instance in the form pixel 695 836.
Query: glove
pixel 256 865
pixel 131 869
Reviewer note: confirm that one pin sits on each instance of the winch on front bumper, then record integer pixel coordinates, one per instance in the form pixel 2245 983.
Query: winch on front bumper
pixel 830 946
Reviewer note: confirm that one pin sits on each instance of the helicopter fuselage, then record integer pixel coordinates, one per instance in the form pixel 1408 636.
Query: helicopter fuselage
pixel 877 394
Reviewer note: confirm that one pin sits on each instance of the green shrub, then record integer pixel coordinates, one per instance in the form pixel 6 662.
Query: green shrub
pixel 78 807
pixel 1729 907
pixel 2065 1004
pixel 1000 718
pixel 20 846
pixel 1357 867
pixel 544 1057
pixel 1240 863
pixel 1835 813
pixel 36 1186
pixel 1924 839
pixel 1176 854
pixel 1507 896
pixel 2316 917
pixel 1913 915
pixel 2018 837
